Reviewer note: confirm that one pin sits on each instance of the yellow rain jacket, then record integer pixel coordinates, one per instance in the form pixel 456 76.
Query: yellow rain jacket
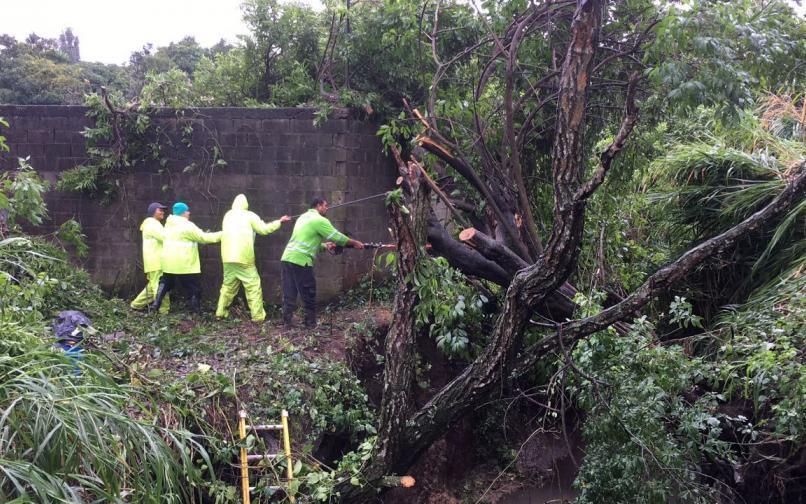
pixel 180 247
pixel 239 228
pixel 152 244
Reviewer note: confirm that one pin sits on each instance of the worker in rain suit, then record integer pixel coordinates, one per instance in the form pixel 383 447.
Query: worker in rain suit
pixel 180 256
pixel 238 255
pixel 152 251
pixel 311 229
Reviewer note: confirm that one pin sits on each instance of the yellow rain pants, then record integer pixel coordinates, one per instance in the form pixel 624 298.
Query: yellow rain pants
pixel 147 295
pixel 234 275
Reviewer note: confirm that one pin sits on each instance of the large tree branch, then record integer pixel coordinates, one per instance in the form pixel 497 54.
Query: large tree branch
pixel 558 305
pixel 493 250
pixel 530 286
pixel 673 272
pixel 462 257
pixel 469 174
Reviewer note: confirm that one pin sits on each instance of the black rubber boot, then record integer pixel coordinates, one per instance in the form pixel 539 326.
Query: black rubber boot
pixel 310 319
pixel 288 317
pixel 162 290
pixel 195 304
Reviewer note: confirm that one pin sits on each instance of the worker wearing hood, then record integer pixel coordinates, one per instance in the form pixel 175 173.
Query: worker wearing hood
pixel 238 255
pixel 152 251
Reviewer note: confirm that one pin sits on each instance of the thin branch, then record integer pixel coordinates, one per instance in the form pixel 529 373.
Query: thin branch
pixel 606 159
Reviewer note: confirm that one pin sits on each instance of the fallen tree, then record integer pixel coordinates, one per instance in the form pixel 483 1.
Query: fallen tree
pixel 534 273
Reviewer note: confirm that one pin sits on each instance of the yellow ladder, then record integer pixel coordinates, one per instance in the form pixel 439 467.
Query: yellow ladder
pixel 246 458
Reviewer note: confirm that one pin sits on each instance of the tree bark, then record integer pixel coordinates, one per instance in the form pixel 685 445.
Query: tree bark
pixel 409 231
pixel 531 285
pixel 493 250
pixel 558 305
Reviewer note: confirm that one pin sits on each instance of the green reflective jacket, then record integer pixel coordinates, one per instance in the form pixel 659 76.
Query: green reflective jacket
pixel 180 246
pixel 152 244
pixel 310 230
pixel 238 232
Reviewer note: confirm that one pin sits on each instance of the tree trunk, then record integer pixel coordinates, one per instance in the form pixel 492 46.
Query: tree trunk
pixel 414 433
pixel 409 231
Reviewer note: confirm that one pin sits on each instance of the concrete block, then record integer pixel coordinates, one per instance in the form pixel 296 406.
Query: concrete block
pixel 57 150
pixel 29 149
pixel 40 136
pixel 316 140
pixel 356 155
pixel 334 126
pixel 302 126
pixel 247 140
pixel 247 153
pixel 228 139
pixel 274 126
pixel 245 125
pixel 289 140
pixel 332 155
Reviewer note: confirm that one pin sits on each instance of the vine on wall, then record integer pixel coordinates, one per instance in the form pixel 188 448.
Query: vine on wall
pixel 125 135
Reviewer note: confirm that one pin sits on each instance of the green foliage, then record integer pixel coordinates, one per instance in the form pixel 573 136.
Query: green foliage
pixel 448 305
pixel 36 71
pixel 724 177
pixel 3 145
pixel 68 437
pixel 757 348
pixel 644 442
pixel 319 395
pixel 319 484
pixel 682 314
pixel 21 195
pixel 115 144
pixel 719 53
pixel 282 50
pixel 395 131
pixel 223 80
pixel 129 137
pixel 167 89
pixel 69 233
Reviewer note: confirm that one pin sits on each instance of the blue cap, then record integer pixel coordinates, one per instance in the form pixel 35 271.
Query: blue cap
pixel 180 208
pixel 154 206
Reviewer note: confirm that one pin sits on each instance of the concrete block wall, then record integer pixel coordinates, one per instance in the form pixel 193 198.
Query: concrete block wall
pixel 276 157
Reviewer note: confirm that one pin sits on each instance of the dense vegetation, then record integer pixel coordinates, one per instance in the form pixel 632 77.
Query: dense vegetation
pixel 698 396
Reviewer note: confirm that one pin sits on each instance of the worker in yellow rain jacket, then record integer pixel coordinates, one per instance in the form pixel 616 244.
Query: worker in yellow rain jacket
pixel 152 250
pixel 310 231
pixel 180 256
pixel 238 255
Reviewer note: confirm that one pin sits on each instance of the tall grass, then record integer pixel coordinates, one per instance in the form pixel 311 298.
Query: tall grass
pixel 75 438
pixel 67 437
pixel 723 179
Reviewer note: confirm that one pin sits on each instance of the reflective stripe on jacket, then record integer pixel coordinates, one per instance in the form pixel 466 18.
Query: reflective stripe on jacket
pixel 180 249
pixel 239 228
pixel 152 244
pixel 310 230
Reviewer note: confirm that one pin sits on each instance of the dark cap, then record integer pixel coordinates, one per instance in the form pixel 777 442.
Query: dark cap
pixel 154 206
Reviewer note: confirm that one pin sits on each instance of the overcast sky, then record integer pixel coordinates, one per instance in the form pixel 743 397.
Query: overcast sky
pixel 110 30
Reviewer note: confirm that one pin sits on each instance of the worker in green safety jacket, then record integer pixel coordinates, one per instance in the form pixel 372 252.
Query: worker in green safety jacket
pixel 312 234
pixel 152 251
pixel 238 255
pixel 180 256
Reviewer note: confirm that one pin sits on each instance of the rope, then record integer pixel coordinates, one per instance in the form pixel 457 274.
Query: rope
pixel 348 203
